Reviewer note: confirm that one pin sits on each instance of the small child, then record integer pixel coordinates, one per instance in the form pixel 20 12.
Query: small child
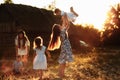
pixel 17 65
pixel 40 61
pixel 72 15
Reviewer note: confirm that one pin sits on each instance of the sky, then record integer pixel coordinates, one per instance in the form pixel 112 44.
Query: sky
pixel 90 11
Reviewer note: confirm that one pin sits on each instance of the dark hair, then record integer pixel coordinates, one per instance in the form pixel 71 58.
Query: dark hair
pixel 24 38
pixel 57 10
pixel 38 42
pixel 55 37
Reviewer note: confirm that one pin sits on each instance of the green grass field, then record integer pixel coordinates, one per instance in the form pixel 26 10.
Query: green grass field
pixel 97 65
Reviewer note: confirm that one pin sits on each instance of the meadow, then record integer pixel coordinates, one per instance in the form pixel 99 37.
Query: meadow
pixel 100 64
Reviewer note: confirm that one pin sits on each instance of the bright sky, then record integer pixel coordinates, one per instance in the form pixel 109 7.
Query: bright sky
pixel 90 11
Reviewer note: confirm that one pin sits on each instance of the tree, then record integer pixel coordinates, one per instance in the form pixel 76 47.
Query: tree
pixel 112 26
pixel 52 5
pixel 8 1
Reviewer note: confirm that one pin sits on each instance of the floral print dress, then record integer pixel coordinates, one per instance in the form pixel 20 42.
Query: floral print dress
pixel 66 51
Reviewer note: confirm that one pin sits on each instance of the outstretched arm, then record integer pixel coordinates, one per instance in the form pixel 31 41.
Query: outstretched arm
pixel 72 10
pixel 65 21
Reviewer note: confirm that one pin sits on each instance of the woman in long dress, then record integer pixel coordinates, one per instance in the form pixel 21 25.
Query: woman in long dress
pixel 59 37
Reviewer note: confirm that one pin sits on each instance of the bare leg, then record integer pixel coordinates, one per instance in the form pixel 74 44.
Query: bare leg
pixel 24 60
pixel 62 70
pixel 41 74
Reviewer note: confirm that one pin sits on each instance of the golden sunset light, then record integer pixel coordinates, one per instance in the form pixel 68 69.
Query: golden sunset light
pixel 59 39
pixel 90 12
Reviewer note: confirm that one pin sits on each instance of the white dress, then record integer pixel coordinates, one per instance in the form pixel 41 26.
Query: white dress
pixel 71 17
pixel 40 61
pixel 20 50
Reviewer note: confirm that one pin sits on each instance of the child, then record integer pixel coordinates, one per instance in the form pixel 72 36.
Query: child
pixel 71 16
pixel 40 62
pixel 22 46
pixel 17 65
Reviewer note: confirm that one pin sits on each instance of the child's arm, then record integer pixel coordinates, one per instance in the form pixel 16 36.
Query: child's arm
pixel 16 48
pixel 48 53
pixel 34 54
pixel 27 44
pixel 16 45
pixel 13 65
pixel 72 10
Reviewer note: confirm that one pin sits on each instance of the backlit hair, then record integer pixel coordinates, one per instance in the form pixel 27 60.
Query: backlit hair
pixel 38 42
pixel 57 10
pixel 24 38
pixel 55 38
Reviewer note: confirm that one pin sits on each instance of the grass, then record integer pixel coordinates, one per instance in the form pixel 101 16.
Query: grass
pixel 100 65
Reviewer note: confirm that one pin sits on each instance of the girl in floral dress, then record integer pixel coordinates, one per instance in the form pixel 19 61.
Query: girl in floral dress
pixel 59 37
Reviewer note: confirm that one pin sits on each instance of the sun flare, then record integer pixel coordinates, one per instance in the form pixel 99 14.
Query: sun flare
pixel 90 11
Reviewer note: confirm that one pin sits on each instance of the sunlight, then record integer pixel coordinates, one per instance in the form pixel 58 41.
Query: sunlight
pixel 94 14
pixel 90 12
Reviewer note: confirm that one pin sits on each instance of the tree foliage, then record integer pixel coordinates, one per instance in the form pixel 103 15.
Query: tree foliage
pixel 8 1
pixel 112 26
pixel 87 33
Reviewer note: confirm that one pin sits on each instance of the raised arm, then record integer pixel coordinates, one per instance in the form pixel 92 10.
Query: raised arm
pixel 65 21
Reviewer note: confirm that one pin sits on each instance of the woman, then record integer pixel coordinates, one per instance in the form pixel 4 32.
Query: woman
pixel 22 46
pixel 59 37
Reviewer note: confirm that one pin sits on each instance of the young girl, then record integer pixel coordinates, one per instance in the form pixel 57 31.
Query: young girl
pixel 40 62
pixel 22 46
pixel 59 37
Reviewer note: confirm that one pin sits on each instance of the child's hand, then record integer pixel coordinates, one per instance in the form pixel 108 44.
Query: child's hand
pixel 49 56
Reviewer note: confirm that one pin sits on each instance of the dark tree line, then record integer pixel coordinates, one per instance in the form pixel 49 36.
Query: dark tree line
pixel 37 21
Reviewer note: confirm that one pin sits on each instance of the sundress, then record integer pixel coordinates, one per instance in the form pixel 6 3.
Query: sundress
pixel 66 51
pixel 22 51
pixel 40 61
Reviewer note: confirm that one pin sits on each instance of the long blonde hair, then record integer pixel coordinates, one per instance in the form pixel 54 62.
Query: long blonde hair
pixel 55 38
